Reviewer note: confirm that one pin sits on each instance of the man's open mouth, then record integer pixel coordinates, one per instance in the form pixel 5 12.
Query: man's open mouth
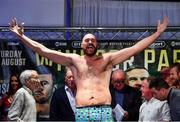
pixel 90 46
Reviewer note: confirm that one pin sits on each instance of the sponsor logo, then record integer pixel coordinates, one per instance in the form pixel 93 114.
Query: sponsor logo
pixel 13 43
pixel 76 44
pixel 173 43
pixel 58 44
pixel 158 44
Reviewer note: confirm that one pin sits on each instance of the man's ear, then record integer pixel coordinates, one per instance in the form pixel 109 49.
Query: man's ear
pixel 98 45
pixel 81 45
pixel 163 90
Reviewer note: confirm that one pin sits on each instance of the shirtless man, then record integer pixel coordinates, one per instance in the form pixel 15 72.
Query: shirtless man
pixel 91 72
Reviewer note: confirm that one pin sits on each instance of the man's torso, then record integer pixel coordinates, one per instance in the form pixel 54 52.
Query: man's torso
pixel 92 79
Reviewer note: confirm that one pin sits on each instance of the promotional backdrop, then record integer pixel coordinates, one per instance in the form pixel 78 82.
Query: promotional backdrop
pixel 15 57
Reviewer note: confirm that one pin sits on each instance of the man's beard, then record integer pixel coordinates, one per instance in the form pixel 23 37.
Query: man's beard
pixel 90 54
pixel 41 99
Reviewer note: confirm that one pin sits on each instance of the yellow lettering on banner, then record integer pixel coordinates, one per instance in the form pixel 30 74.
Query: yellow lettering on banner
pixel 82 52
pixel 113 50
pixel 100 52
pixel 58 67
pixel 42 61
pixel 74 51
pixel 175 56
pixel 68 51
pixel 146 57
pixel 163 55
pixel 130 62
pixel 48 62
pixel 37 59
pixel 150 58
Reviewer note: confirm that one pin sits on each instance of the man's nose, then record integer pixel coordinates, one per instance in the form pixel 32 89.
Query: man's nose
pixel 39 84
pixel 139 80
pixel 71 78
pixel 90 41
pixel 40 87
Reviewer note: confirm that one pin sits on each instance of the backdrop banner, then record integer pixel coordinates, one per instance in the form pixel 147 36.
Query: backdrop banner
pixel 15 57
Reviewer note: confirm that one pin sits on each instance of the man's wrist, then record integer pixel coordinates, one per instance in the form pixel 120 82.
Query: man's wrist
pixel 157 33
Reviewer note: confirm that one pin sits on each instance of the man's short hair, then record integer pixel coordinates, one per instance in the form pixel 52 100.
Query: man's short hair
pixel 135 67
pixel 158 83
pixel 25 75
pixel 177 65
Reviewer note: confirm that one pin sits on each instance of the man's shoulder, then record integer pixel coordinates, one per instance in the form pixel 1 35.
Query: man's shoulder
pixel 176 91
pixel 20 91
pixel 175 94
pixel 59 90
pixel 132 89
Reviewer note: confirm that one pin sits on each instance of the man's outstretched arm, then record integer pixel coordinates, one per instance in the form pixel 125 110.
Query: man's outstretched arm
pixel 57 57
pixel 124 54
